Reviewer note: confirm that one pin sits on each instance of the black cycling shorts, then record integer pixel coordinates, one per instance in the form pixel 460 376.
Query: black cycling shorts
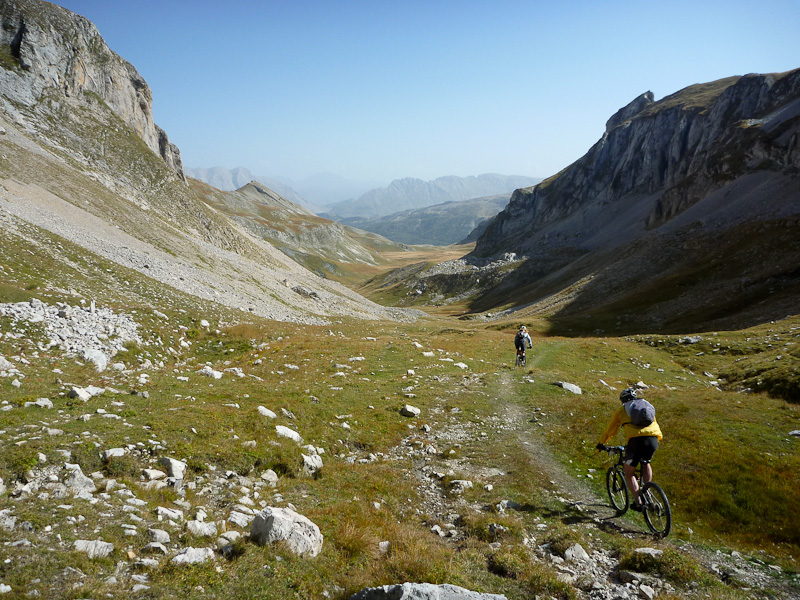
pixel 640 449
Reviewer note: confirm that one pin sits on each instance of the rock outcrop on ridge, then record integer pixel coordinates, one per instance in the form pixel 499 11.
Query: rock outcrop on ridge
pixel 58 55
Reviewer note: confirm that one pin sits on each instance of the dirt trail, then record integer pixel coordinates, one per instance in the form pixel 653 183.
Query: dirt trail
pixel 576 494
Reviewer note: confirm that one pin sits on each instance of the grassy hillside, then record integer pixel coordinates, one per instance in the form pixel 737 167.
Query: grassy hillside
pixel 727 460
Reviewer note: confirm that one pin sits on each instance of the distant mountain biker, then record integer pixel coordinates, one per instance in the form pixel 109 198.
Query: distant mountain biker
pixel 640 444
pixel 521 338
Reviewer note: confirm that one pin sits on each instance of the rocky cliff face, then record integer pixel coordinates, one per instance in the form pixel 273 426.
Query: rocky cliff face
pixel 51 53
pixel 664 156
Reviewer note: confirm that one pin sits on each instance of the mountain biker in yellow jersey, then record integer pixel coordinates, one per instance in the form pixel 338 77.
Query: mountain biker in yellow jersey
pixel 640 444
pixel 521 338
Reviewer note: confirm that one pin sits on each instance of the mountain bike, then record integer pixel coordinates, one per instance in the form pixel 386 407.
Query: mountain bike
pixel 521 358
pixel 655 506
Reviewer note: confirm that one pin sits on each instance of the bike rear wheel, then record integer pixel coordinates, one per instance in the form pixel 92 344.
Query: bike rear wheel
pixel 656 509
pixel 617 489
pixel 521 360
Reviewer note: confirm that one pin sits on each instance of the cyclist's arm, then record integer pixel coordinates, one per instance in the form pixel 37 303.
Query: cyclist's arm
pixel 613 427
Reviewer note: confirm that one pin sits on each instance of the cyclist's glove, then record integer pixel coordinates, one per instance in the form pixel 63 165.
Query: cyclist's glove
pixel 600 447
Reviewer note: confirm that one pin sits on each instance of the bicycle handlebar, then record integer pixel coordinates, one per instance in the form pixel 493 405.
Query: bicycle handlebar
pixel 611 449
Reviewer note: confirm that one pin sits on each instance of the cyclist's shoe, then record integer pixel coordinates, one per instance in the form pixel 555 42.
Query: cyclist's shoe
pixel 636 506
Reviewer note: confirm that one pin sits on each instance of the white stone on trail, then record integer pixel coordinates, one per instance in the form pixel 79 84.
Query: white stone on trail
pixel 570 387
pixel 288 433
pixel 428 354
pixel 459 486
pixel 299 534
pixel 651 552
pixel 576 553
pixel 461 365
pixel 79 483
pixel 270 476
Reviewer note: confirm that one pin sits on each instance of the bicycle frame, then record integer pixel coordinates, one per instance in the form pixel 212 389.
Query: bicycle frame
pixel 653 501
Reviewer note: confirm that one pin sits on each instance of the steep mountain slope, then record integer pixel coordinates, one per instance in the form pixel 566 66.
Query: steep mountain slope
pixel 686 214
pixel 326 247
pixel 410 194
pixel 438 225
pixel 83 160
pixel 229 180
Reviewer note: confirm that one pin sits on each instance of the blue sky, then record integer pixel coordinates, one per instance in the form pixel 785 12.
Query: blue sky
pixel 378 90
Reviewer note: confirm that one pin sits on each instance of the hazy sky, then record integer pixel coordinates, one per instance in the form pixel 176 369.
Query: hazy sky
pixel 383 89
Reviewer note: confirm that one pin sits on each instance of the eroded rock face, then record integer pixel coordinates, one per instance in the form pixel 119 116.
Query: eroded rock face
pixel 60 53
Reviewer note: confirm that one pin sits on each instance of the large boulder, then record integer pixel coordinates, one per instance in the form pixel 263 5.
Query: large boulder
pixel 422 591
pixel 297 532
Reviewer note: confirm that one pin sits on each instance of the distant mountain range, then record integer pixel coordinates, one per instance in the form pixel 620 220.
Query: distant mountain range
pixel 439 225
pixel 408 211
pixel 314 192
pixel 410 194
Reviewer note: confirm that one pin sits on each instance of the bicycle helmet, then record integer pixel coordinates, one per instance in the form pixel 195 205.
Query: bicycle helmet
pixel 627 395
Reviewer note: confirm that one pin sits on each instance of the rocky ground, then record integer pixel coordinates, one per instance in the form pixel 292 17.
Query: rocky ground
pixel 179 532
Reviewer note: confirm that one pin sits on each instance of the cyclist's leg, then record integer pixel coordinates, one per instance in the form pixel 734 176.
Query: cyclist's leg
pixel 647 472
pixel 639 450
pixel 630 479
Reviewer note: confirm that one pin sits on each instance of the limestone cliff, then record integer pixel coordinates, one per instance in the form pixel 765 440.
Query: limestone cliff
pixel 49 53
pixel 660 158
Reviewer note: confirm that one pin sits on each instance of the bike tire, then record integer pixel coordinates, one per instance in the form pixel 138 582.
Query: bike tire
pixel 617 489
pixel 656 509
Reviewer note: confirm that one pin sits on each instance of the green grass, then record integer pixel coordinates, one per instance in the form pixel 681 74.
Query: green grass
pixel 726 461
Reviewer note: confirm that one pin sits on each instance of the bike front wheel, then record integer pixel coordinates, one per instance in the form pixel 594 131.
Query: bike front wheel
pixel 656 509
pixel 617 490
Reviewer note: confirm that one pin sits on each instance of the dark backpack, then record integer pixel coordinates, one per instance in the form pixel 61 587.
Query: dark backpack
pixel 641 412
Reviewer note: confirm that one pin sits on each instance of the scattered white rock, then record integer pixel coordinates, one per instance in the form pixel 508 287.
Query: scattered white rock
pixel 288 433
pixel 201 528
pixel 576 553
pixel 266 412
pixel 114 453
pixel 193 556
pixel 175 468
pixel 410 411
pixel 300 535
pixel 570 387
pixel 94 548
